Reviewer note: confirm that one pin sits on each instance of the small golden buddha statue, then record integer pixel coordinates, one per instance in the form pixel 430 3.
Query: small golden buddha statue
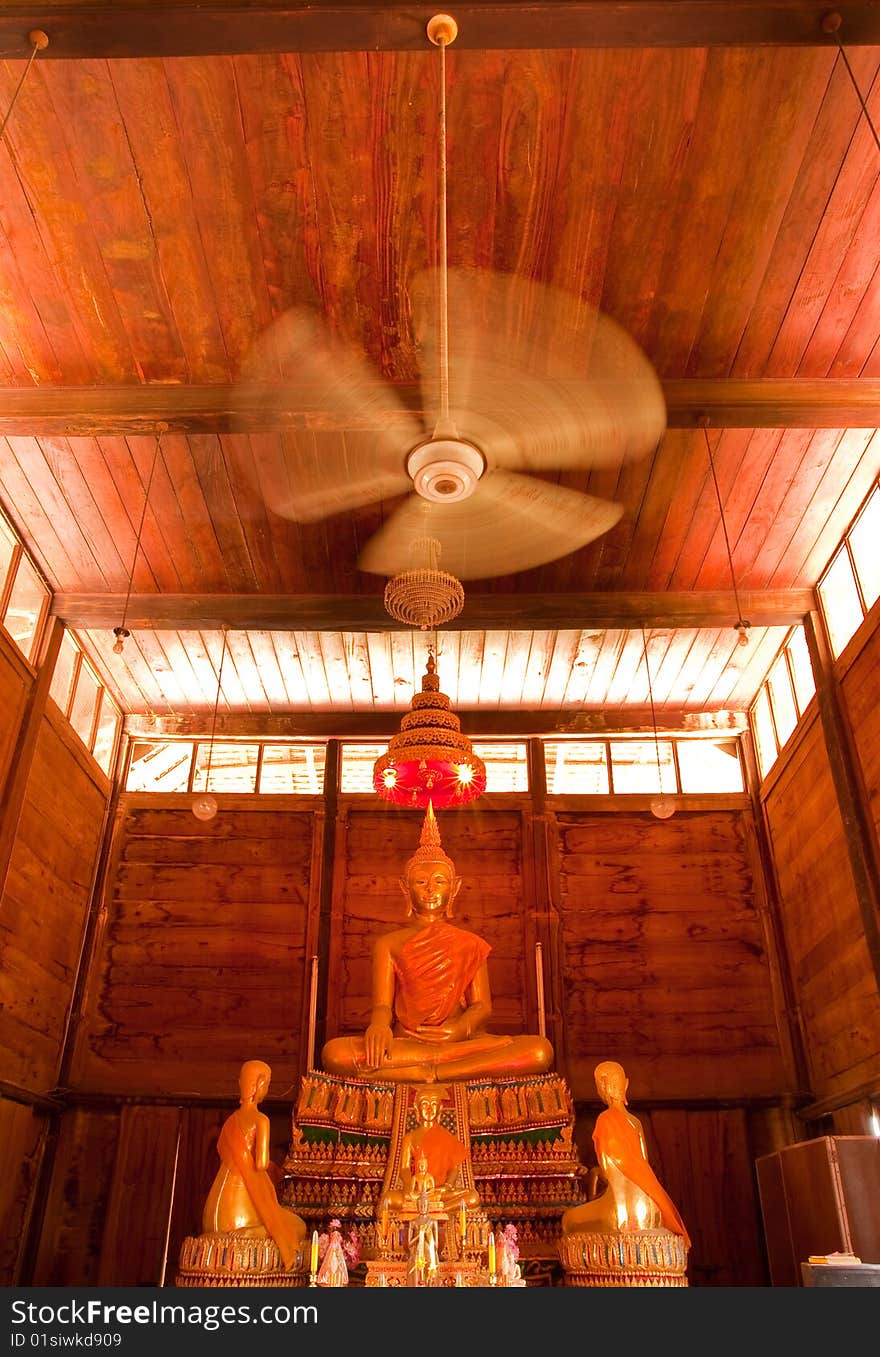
pixel 633 1199
pixel 429 1144
pixel 242 1199
pixel 431 996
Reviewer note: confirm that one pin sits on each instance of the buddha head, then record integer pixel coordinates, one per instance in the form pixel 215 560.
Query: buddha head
pixel 429 879
pixel 254 1078
pixel 427 1101
pixel 611 1082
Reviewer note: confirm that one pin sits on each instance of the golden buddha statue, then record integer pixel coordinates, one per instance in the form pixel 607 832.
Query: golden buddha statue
pixel 431 996
pixel 430 1145
pixel 242 1200
pixel 633 1199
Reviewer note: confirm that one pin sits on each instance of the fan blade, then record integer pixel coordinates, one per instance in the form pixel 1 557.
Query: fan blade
pixel 358 433
pixel 537 379
pixel 509 523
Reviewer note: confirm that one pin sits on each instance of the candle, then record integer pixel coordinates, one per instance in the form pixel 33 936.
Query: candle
pixel 492 1253
pixel 313 1265
pixel 463 1220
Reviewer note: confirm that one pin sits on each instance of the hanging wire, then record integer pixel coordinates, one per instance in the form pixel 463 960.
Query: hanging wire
pixel 831 25
pixel 122 631
pixel 39 42
pixel 214 717
pixel 653 716
pixel 741 626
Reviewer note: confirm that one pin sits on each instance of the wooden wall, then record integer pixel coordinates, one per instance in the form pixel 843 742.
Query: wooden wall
pixel 665 955
pixel 45 900
pixel 202 955
pixel 831 970
pixel 54 799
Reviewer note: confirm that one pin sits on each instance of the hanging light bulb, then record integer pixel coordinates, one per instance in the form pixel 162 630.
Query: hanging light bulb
pixel 204 804
pixel 742 630
pixel 663 806
pixel 120 633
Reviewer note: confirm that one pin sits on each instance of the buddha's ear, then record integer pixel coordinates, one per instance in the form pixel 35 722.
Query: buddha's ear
pixel 404 886
pixel 456 887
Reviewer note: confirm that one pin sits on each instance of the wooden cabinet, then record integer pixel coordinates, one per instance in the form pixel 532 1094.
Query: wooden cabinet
pixel 820 1196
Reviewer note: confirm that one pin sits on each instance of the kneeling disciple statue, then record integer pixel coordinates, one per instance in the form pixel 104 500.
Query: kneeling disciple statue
pixel 431 996
pixel 248 1238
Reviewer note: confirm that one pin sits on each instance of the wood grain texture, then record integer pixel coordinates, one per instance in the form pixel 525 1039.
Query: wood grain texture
pixel 200 962
pixel 76 1208
pixel 22 1130
pixel 143 1174
pixel 859 688
pixel 834 983
pixel 44 903
pixel 15 684
pixel 664 956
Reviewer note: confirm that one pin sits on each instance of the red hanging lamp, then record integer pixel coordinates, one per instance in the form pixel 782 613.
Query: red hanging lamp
pixel 430 760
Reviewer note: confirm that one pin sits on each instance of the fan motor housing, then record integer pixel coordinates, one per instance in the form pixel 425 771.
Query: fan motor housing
pixel 445 469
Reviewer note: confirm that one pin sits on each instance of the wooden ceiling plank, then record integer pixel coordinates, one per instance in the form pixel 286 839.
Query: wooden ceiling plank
pixel 492 669
pixel 130 461
pixel 287 651
pixel 267 454
pixel 199 692
pixel 824 155
pixel 628 680
pixel 564 649
pixel 251 510
pixel 841 471
pixel 693 665
pixel 250 673
pixel 131 677
pixel 847 295
pixel 223 508
pixel 406 668
pixel 817 289
pixel 672 652
pixel 31 341
pixel 719 646
pixel 666 481
pixel 782 101
pixel 150 646
pixel 183 503
pixel 31 487
pixel 837 520
pixel 204 97
pixel 120 216
pixel 717 158
pixel 594 664
pixel 470 663
pixel 357 664
pixel 235 695
pixel 537 669
pixel 201 665
pixel 757 522
pixel 312 660
pixel 747 667
pixel 81 477
pixel 701 544
pixel 863 336
pixel 336 668
pixel 184 29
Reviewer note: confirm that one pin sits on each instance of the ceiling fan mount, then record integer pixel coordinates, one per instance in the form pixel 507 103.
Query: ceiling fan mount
pixel 445 469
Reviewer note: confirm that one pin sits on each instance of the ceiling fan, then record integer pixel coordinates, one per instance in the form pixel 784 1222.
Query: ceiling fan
pixel 519 379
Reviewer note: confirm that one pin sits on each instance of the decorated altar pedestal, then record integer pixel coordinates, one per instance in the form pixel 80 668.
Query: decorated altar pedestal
pixel 230 1260
pixel 624 1258
pixel 523 1162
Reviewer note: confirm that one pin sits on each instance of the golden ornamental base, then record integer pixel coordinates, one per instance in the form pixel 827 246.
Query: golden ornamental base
pixel 233 1260
pixel 392 1272
pixel 625 1258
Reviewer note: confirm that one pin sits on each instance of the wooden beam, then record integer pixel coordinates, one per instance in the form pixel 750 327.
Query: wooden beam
pixel 381 725
pixel 96 411
pixel 852 796
pixel 482 612
pixel 186 28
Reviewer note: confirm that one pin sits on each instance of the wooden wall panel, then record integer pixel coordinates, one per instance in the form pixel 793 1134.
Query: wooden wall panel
pixel 859 684
pixel 830 966
pixel 664 956
pixel 76 1206
pixel 139 1202
pixel 201 960
pixel 44 903
pixel 486 846
pixel 21 1138
pixel 14 687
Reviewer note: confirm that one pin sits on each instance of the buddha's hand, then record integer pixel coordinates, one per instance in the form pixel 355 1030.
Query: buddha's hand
pixel 377 1045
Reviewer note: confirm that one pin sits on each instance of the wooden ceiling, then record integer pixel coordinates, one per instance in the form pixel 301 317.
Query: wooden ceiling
pixel 722 202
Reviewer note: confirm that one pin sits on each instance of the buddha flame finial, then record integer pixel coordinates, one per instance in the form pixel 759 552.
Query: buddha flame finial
pixel 430 848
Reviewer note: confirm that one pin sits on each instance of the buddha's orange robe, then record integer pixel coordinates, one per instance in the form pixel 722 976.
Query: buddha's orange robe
pixel 283 1226
pixel 443 1151
pixel 433 972
pixel 616 1138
